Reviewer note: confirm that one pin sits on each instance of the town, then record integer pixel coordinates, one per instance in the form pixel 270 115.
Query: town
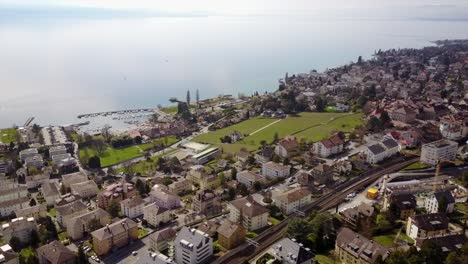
pixel 364 163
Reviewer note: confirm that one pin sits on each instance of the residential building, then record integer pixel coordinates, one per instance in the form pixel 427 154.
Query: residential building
pixel 70 210
pixel 34 181
pixel 427 225
pixel 404 204
pixel 27 153
pixel 132 207
pixel 50 191
pixel 322 174
pixel 164 198
pixel 84 189
pixel 180 186
pixel 286 147
pixel 447 243
pixel 159 240
pixel 382 150
pixel 264 155
pixel 55 253
pixel 35 161
pixel 193 246
pixel 19 227
pixel 329 146
pixel 444 198
pixel 453 127
pixel 83 224
pixel 156 215
pixel 230 235
pixel 304 178
pixel 248 178
pixel 57 150
pixel 360 214
pixel 206 202
pixel 115 192
pixel 206 155
pixel 10 206
pixel 8 255
pixel 197 174
pixel 114 236
pixel 403 114
pixel 250 214
pixel 441 150
pixel 293 200
pixel 35 212
pixel 14 192
pixel 289 251
pixel 72 178
pixel 273 170
pixel 3 166
pixel 351 247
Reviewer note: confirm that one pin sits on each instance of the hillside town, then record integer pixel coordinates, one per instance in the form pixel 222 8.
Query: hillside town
pixel 364 163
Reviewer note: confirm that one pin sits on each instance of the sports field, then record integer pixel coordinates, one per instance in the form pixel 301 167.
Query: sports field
pixel 7 135
pixel 310 126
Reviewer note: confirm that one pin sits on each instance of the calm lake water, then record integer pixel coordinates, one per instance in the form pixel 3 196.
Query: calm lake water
pixel 56 69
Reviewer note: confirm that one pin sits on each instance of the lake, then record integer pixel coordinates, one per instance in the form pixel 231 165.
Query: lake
pixel 57 69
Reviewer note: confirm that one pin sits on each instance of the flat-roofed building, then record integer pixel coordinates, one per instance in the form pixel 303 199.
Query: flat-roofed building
pixel 193 246
pixel 20 228
pixel 441 150
pixel 72 178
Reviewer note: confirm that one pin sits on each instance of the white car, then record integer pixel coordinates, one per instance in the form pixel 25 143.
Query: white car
pixel 134 253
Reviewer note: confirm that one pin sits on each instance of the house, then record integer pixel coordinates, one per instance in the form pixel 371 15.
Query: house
pixel 354 216
pixel 351 247
pixel 197 174
pixel 34 181
pixel 132 207
pixel 114 236
pixel 164 198
pixel 248 178
pixel 447 243
pixel 292 200
pixel 382 150
pixel 156 215
pixel 84 189
pixel 304 178
pixel 35 212
pixel 55 253
pixel 264 155
pixel 159 240
pixel 210 227
pixel 242 156
pixel 35 161
pixel 50 192
pixel 432 153
pixel 250 214
pixel 322 174
pixel 20 228
pixel 4 167
pixel 453 127
pixel 70 210
pixel 286 147
pixel 9 256
pixel 206 202
pixel 427 225
pixel 403 114
pixel 115 192
pixel 404 204
pixel 10 206
pixel 79 225
pixel 435 200
pixel 230 235
pixel 192 246
pixel 289 251
pixel 72 178
pixel 14 191
pixel 274 170
pixel 329 146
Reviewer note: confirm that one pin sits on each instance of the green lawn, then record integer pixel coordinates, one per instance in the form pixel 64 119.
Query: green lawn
pixel 323 259
pixel 273 220
pixel 311 126
pixel 417 166
pixel 387 240
pixel 8 135
pixel 113 156
pixel 63 235
pixel 462 207
pixel 143 167
pixel 142 232
pixel 52 212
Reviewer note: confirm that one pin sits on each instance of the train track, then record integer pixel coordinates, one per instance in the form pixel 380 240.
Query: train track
pixel 325 202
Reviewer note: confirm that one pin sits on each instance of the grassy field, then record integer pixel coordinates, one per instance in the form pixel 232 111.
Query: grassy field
pixel 143 167
pixel 113 156
pixel 417 166
pixel 310 126
pixel 387 240
pixel 323 259
pixel 8 135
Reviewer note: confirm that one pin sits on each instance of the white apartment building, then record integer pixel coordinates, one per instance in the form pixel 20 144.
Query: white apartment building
pixel 438 150
pixel 292 200
pixel 156 215
pixel 19 227
pixel 132 207
pixel 273 170
pixel 193 246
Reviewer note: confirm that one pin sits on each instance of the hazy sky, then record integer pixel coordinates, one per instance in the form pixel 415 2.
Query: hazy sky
pixel 239 6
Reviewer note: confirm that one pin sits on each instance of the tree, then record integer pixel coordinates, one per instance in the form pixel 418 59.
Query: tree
pixel 453 258
pixel 197 97
pixel 188 98
pixel 32 202
pixel 106 133
pixel 99 146
pixel 167 181
pixel 222 178
pixel 320 104
pixel 233 173
pixel 34 239
pixel 140 186
pixel 113 208
pixel 286 161
pixel 359 60
pixel 362 100
pixel 275 138
pixel 257 186
pixel 374 124
pixel 298 228
pixel 15 243
pixel 442 204
pixel 384 119
pixel 431 253
pixel 82 258
pixel 94 162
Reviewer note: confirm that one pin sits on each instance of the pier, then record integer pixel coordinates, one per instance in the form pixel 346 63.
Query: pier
pixel 130 111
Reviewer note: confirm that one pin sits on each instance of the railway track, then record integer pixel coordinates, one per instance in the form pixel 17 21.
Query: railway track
pixel 325 202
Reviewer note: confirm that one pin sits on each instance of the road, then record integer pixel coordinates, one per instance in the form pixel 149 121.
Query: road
pixel 327 201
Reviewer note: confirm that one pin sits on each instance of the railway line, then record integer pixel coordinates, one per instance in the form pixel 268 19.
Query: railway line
pixel 325 202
